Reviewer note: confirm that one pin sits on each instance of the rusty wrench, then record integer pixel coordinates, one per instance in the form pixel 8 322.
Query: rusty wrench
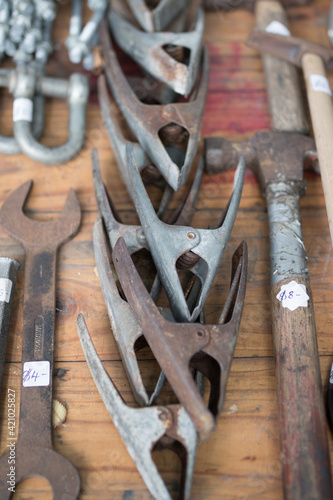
pixel 34 451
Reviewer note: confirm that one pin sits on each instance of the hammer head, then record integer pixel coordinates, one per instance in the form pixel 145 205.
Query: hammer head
pixel 273 156
pixel 288 48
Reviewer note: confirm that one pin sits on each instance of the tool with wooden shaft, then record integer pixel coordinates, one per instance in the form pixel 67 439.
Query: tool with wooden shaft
pixel 282 79
pixel 277 159
pixel 312 58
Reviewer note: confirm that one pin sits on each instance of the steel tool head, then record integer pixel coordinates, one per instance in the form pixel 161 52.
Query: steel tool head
pixel 148 50
pixel 142 429
pixel 273 156
pixel 158 17
pixel 179 346
pixel 150 122
pixel 31 233
pixel 207 245
pixel 289 48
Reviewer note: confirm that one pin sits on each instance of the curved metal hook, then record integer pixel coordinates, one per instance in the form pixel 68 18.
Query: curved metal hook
pixel 77 97
pixel 9 145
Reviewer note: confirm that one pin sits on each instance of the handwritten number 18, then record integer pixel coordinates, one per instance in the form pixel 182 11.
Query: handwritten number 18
pixel 284 296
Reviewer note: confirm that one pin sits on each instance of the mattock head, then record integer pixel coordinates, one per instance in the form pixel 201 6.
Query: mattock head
pixel 31 233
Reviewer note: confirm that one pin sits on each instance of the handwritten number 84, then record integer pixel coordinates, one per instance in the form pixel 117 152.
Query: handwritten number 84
pixel 30 375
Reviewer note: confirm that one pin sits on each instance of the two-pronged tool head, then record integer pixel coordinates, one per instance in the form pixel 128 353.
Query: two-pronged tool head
pixel 35 455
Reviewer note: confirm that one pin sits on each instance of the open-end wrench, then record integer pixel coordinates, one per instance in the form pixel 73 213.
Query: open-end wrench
pixel 34 453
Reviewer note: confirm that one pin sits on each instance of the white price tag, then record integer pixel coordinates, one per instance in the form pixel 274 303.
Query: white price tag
pixel 293 296
pixel 6 286
pixel 320 83
pixel 36 374
pixel 22 109
pixel 277 28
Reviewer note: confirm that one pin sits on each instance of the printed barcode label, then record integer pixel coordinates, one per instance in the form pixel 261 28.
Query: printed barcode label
pixel 5 289
pixel 22 109
pixel 277 28
pixel 320 83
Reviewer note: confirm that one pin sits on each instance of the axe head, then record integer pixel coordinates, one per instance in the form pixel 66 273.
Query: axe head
pixel 288 48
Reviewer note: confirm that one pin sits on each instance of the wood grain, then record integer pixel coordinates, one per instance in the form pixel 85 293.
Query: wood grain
pixel 242 459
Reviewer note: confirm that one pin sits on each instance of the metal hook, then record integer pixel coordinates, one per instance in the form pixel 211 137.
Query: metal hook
pixel 158 18
pixel 77 92
pixel 9 145
pixel 179 346
pixel 141 429
pixel 207 244
pixel 147 121
pixel 147 49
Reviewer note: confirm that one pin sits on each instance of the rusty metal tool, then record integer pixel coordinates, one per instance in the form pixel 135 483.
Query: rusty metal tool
pixel 180 120
pixel 8 273
pixel 277 159
pixel 204 247
pixel 145 429
pixel 248 4
pixel 311 57
pixel 156 15
pixel 118 144
pixel 282 80
pixel 148 50
pixel 178 347
pixel 125 328
pixel 35 455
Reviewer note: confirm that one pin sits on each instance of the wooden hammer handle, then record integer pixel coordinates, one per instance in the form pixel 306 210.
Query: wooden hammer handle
pixel 304 447
pixel 321 108
pixel 283 86
pixel 305 454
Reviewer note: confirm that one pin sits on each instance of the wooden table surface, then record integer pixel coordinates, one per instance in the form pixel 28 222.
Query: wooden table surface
pixel 241 459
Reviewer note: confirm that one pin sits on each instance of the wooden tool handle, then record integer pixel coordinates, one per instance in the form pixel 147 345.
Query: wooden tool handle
pixel 305 456
pixel 321 108
pixel 283 86
pixel 305 453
